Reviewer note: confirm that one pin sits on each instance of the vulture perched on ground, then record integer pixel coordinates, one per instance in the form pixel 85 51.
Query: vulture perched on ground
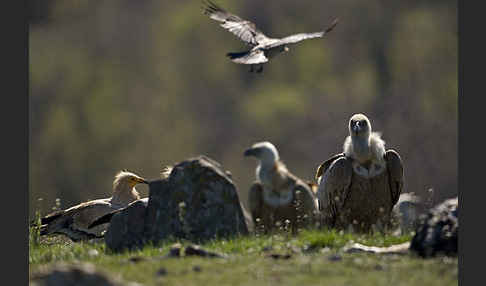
pixel 106 218
pixel 75 221
pixel 278 195
pixel 359 187
pixel 263 48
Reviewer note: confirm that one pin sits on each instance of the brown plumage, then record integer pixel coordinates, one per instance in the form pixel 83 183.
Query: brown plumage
pixel 359 187
pixel 74 221
pixel 278 195
pixel 263 48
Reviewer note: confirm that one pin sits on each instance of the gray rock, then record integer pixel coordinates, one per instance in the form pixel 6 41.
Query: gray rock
pixel 75 275
pixel 197 202
pixel 438 230
pixel 126 228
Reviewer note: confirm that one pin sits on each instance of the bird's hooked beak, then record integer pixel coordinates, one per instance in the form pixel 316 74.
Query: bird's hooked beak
pixel 140 181
pixel 356 127
pixel 250 152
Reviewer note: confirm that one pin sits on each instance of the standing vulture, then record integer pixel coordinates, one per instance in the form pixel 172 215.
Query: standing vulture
pixel 263 48
pixel 359 187
pixel 75 221
pixel 278 195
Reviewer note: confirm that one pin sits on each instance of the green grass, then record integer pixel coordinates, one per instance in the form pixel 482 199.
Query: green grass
pixel 316 259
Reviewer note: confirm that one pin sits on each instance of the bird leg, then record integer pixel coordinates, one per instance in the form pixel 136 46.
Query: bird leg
pixel 251 68
pixel 260 69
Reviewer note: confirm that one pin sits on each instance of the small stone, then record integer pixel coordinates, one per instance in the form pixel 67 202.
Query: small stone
pixel 335 257
pixel 196 268
pixel 93 253
pixel 279 256
pixel 196 250
pixel 162 272
pixel 175 250
pixel 324 250
pixel 136 259
pixel 267 248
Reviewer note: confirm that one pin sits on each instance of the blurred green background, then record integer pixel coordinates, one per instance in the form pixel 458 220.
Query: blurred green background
pixel 140 84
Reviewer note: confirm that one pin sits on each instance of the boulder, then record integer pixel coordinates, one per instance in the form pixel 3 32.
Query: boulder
pixel 126 227
pixel 198 201
pixel 438 230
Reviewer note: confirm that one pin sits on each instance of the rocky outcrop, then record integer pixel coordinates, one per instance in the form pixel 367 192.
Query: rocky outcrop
pixel 197 202
pixel 126 227
pixel 438 230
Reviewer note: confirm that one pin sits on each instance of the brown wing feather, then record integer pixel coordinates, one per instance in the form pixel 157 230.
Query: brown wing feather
pixel 79 217
pixel 243 29
pixel 325 165
pixel 395 174
pixel 106 218
pixel 255 199
pixel 333 188
pixel 307 197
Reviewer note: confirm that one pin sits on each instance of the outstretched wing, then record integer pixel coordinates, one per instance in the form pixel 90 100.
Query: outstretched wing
pixel 395 174
pixel 302 36
pixel 243 29
pixel 333 188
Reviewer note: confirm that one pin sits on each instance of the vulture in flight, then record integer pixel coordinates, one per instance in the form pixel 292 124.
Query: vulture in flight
pixel 263 48
pixel 278 195
pixel 359 187
pixel 75 221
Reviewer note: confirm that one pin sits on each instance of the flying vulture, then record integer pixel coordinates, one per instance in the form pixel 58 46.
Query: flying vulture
pixel 278 195
pixel 75 221
pixel 359 187
pixel 263 48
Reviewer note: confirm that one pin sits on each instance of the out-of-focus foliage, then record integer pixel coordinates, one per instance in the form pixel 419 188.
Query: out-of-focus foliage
pixel 138 84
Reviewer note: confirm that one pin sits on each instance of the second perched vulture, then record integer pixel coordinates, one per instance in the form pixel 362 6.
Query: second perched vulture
pixel 75 221
pixel 278 195
pixel 359 187
pixel 263 48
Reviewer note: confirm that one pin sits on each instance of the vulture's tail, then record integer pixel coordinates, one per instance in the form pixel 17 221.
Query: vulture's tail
pixel 236 55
